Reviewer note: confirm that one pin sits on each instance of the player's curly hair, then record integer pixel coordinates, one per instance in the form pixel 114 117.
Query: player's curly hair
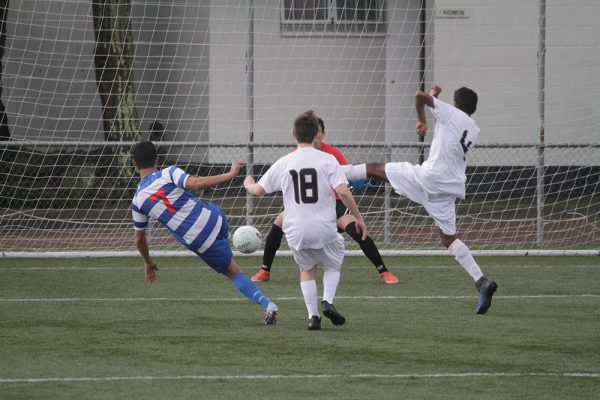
pixel 144 154
pixel 465 100
pixel 306 126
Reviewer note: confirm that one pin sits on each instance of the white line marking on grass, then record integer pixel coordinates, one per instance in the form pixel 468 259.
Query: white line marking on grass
pixel 308 376
pixel 287 267
pixel 293 298
pixel 199 267
pixel 534 296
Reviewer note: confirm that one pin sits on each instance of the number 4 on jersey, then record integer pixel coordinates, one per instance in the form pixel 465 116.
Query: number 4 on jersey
pixel 466 146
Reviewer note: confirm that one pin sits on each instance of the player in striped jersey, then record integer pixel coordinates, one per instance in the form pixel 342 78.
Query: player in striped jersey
pixel 165 194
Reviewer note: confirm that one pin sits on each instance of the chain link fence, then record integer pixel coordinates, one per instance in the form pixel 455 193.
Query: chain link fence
pixel 77 196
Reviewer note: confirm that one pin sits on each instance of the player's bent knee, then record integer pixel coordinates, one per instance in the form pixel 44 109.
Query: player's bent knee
pixel 232 270
pixel 345 220
pixel 353 232
pixel 279 220
pixel 446 239
pixel 309 274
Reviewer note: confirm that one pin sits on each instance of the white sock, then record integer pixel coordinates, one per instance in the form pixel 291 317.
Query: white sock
pixel 331 279
pixel 355 172
pixel 309 291
pixel 463 255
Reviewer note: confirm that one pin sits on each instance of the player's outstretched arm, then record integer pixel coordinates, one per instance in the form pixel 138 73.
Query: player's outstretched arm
pixel 355 172
pixel 253 187
pixel 348 200
pixel 150 266
pixel 203 182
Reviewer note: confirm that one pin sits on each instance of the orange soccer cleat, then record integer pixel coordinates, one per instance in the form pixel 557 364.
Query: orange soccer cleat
pixel 388 277
pixel 263 276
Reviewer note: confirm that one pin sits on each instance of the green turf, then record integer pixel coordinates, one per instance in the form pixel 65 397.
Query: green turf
pixel 191 335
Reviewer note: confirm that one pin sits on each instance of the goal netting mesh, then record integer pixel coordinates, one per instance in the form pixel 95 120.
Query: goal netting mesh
pixel 215 81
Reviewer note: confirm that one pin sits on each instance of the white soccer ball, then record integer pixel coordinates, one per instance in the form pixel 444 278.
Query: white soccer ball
pixel 246 239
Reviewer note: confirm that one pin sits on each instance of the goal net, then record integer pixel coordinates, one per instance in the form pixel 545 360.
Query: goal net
pixel 211 82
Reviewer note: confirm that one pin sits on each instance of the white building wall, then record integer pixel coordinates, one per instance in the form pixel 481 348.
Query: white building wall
pixel 171 66
pixel 227 72
pixel 49 87
pixel 494 51
pixel 402 70
pixel 341 78
pixel 573 71
pixel 49 84
pixel 190 71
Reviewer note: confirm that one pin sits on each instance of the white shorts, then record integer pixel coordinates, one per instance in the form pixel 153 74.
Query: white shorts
pixel 332 255
pixel 405 179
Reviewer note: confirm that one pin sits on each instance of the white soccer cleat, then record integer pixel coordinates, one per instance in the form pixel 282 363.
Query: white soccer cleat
pixel 271 317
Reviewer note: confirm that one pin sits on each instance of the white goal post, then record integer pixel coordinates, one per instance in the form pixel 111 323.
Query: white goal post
pixel 216 81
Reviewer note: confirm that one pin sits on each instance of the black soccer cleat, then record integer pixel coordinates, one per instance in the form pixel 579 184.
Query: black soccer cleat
pixel 314 323
pixel 330 312
pixel 486 291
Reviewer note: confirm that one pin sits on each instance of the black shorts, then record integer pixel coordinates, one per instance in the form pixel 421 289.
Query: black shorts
pixel 340 211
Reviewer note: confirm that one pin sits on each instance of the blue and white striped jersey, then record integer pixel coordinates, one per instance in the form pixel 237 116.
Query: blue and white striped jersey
pixel 162 195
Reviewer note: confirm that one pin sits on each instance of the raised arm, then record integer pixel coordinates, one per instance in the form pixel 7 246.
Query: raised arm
pixel 203 182
pixel 435 90
pixel 422 99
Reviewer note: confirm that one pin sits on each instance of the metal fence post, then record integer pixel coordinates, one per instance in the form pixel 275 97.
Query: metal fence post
pixel 250 113
pixel 250 172
pixel 540 194
pixel 541 66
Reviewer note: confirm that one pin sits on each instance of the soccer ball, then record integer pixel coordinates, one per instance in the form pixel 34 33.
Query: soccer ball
pixel 246 239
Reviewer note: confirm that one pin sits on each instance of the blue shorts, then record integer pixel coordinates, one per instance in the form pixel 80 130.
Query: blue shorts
pixel 218 256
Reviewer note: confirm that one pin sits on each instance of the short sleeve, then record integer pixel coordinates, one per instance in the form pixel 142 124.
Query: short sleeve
pixel 140 220
pixel 176 175
pixel 441 111
pixel 337 176
pixel 271 180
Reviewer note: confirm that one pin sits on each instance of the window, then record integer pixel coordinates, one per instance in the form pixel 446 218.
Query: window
pixel 345 17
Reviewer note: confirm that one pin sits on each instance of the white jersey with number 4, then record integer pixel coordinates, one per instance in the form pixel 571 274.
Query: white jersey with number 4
pixel 455 133
pixel 307 178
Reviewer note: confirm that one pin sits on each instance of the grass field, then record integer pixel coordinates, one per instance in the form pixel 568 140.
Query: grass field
pixel 93 329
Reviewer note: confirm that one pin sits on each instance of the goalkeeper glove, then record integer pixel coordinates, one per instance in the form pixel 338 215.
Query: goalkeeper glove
pixel 360 184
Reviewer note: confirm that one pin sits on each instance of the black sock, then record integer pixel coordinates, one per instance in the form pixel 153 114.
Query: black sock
pixel 272 244
pixel 367 246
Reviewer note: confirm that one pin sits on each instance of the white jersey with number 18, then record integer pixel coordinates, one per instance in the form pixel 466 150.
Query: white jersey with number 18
pixel 307 178
pixel 455 132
